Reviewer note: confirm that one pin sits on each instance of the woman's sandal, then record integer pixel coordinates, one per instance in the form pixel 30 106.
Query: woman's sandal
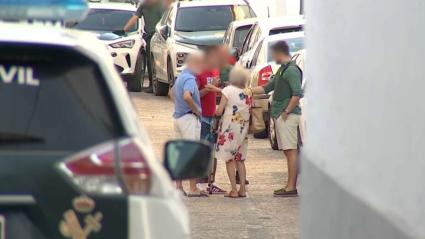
pixel 231 195
pixel 241 195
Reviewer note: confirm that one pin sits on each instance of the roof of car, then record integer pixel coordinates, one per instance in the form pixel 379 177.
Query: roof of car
pixel 277 22
pixel 114 6
pixel 50 35
pixel 283 36
pixel 244 22
pixel 199 3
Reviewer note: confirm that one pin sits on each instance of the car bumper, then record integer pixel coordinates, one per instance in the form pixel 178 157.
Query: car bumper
pixel 124 59
pixel 155 217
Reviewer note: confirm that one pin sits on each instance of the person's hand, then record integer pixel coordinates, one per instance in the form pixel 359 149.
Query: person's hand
pixel 212 88
pixel 284 115
pixel 119 32
pixel 248 92
pixel 216 81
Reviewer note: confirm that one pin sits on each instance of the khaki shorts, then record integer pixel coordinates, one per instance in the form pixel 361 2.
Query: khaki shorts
pixel 187 127
pixel 287 131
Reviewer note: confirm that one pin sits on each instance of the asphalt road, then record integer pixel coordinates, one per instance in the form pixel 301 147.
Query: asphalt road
pixel 260 215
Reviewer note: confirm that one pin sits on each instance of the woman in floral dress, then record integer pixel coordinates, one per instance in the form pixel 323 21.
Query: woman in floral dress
pixel 232 141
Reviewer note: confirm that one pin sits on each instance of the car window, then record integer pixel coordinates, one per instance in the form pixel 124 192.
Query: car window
pixel 275 31
pixel 247 40
pixel 255 39
pixel 105 20
pixel 52 99
pixel 255 57
pixel 205 18
pixel 240 35
pixel 227 35
pixel 295 44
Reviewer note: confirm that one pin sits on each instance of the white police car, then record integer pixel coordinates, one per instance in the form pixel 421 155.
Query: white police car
pixel 107 20
pixel 74 162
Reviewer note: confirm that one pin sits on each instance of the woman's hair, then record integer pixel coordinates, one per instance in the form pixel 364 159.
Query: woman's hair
pixel 239 76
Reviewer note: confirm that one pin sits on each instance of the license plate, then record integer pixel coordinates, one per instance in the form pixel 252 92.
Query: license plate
pixel 2 227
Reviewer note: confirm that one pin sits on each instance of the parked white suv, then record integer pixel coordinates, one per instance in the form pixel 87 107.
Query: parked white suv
pixel 188 26
pixel 127 49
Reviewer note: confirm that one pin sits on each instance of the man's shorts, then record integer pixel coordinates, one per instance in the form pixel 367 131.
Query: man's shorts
pixel 188 127
pixel 287 131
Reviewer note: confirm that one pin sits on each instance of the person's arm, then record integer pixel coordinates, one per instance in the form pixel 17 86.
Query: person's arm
pixel 221 106
pixel 131 23
pixel 189 87
pixel 133 20
pixel 204 91
pixel 187 96
pixel 294 79
pixel 213 88
pixel 172 95
pixel 261 89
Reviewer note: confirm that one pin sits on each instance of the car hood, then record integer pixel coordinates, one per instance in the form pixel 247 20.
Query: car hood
pixel 203 38
pixel 107 36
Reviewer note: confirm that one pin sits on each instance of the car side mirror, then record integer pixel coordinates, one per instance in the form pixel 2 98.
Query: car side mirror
pixel 165 31
pixel 185 159
pixel 235 53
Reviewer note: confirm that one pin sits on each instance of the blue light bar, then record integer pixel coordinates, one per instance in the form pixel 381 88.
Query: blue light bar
pixel 62 10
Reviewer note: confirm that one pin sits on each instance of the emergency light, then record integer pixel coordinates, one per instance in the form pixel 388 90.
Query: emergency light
pixel 57 10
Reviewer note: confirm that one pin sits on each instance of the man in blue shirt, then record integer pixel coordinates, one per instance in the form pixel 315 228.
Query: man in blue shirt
pixel 187 110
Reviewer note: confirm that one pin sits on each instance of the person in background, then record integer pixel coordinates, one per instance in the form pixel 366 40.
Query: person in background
pixel 285 110
pixel 187 110
pixel 232 142
pixel 151 11
pixel 208 82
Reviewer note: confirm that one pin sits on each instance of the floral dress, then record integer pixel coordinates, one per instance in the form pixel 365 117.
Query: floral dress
pixel 232 141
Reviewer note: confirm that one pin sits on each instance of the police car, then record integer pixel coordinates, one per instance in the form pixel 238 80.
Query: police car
pixel 74 161
pixel 127 49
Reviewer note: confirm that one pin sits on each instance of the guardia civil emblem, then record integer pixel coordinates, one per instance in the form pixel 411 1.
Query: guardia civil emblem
pixel 70 225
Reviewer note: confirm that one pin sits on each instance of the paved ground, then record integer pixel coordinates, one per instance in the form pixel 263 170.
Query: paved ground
pixel 260 215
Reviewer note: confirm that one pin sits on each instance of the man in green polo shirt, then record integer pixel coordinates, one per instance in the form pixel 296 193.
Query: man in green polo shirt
pixel 285 110
pixel 151 11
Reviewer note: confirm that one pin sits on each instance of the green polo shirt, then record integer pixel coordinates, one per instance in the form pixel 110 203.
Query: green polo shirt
pixel 284 84
pixel 151 14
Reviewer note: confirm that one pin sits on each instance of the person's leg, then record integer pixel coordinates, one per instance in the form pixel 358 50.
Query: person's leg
pixel 242 174
pixel 288 138
pixel 149 62
pixel 292 161
pixel 230 167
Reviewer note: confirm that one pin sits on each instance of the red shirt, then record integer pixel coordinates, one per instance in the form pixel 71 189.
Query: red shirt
pixel 208 101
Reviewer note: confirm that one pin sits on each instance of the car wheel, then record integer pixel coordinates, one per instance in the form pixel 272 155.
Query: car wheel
pixel 134 82
pixel 170 73
pixel 159 88
pixel 272 133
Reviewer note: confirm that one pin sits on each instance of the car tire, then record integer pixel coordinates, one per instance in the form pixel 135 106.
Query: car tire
pixel 159 88
pixel 272 133
pixel 170 73
pixel 134 82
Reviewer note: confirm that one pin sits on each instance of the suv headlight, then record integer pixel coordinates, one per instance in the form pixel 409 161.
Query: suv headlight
pixel 123 44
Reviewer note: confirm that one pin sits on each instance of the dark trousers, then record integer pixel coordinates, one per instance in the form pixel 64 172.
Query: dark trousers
pixel 148 58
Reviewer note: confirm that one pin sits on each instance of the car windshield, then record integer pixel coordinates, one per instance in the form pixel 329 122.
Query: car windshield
pixel 295 44
pixel 106 20
pixel 240 35
pixel 210 18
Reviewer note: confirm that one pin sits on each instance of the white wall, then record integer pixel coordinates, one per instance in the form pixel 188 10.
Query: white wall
pixel 364 157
